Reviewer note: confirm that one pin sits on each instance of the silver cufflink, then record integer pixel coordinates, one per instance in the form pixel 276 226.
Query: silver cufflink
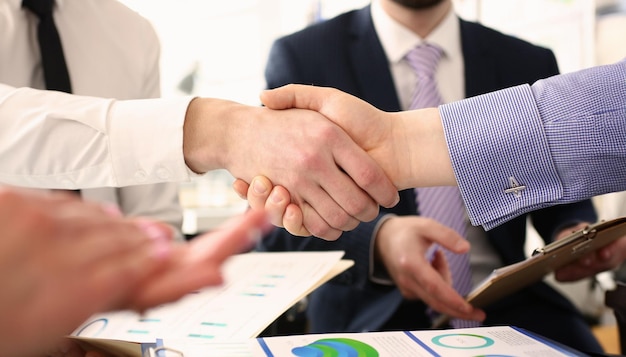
pixel 516 189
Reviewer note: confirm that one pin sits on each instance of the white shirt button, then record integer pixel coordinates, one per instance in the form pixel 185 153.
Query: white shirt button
pixel 163 173
pixel 141 176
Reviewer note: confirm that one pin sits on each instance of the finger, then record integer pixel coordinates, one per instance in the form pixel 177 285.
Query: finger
pixel 104 285
pixel 316 225
pixel 363 169
pixel 199 264
pixel 369 176
pixel 102 240
pixel 293 221
pixel 241 188
pixel 440 264
pixel 258 192
pixel 334 218
pixel 274 200
pixel 438 293
pixel 585 267
pixel 446 237
pixel 572 273
pixel 277 204
pixel 295 96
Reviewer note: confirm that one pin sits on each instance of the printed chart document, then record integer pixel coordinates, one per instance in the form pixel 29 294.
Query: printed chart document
pixel 501 341
pixel 258 288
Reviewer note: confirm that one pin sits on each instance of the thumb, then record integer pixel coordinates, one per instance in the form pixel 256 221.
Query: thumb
pixel 295 96
pixel 241 188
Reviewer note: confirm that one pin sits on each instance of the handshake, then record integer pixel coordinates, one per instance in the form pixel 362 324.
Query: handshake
pixel 345 160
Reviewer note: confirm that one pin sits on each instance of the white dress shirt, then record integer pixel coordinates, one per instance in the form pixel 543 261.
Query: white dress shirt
pixel 55 140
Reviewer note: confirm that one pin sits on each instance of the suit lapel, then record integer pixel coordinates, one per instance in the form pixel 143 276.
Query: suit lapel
pixel 367 61
pixel 480 74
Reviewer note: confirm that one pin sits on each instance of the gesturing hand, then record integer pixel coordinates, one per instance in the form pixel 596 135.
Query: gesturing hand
pixel 401 246
pixel 63 259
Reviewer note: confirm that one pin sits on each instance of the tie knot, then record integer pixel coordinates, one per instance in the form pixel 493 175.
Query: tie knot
pixel 424 59
pixel 40 8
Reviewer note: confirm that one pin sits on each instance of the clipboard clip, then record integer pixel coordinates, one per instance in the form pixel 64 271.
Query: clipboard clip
pixel 162 351
pixel 586 234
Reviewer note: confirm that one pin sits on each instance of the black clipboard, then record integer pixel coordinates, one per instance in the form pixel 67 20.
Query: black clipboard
pixel 511 278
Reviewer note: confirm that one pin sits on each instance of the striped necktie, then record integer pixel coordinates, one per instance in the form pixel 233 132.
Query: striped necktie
pixel 444 203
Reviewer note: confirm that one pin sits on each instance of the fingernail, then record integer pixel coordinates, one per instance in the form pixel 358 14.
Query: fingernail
pixel 258 187
pixel 160 236
pixel 161 250
pixel 256 233
pixel 275 197
pixel 154 231
pixel 462 245
pixel 112 210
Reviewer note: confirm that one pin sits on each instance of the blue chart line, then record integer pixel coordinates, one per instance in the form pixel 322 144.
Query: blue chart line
pixel 138 332
pixel 275 276
pixel 217 324
pixel 462 341
pixel 94 327
pixel 197 335
pixel 253 294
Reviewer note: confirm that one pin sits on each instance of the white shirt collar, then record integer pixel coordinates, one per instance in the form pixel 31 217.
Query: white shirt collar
pixel 398 40
pixel 57 3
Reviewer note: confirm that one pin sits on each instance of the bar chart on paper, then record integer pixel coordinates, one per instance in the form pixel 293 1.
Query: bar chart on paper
pixel 258 288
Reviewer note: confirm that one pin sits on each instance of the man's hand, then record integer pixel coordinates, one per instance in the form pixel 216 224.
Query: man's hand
pixel 63 259
pixel 607 258
pixel 401 246
pixel 331 179
pixel 275 200
pixel 409 146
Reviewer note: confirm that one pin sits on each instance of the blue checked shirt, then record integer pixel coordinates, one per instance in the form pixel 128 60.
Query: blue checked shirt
pixel 561 140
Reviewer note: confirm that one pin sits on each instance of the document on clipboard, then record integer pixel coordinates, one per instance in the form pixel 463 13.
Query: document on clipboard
pixel 511 278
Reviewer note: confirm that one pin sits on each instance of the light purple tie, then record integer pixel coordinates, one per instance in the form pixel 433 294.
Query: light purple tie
pixel 442 203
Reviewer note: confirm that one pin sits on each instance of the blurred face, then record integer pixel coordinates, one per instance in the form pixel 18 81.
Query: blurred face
pixel 418 4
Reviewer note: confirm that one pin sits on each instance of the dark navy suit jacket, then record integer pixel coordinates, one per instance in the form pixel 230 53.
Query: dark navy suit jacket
pixel 345 53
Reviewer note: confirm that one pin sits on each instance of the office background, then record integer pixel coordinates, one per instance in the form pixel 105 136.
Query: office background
pixel 219 48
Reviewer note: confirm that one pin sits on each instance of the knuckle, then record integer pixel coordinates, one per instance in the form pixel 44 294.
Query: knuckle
pixel 325 233
pixel 429 287
pixel 342 221
pixel 367 177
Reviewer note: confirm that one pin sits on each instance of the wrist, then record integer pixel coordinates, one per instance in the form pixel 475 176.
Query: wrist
pixel 207 132
pixel 425 146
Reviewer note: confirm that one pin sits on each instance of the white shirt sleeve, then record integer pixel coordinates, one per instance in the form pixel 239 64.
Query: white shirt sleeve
pixel 57 140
